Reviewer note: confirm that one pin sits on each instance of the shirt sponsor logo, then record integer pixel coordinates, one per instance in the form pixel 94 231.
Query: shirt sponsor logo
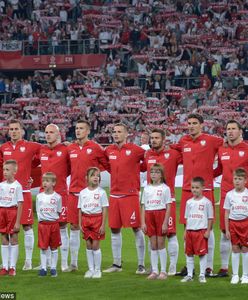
pixel 151 161
pixel 59 153
pixel 44 158
pixel 73 155
pixel 186 149
pixel 128 152
pixel 167 155
pixel 241 153
pixel 112 156
pixel 203 142
pixel 7 153
pixel 225 157
pixel 89 151
pixel 22 149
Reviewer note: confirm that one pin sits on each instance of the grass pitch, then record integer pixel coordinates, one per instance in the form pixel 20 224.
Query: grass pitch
pixel 125 285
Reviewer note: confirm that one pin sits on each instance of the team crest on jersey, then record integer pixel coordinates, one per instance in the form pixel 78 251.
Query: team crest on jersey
pixel 203 142
pixel 167 155
pixel 241 153
pixel 12 190
pixel 89 151
pixel 22 149
pixel 201 207
pixel 96 196
pixel 128 152
pixel 159 192
pixel 52 201
pixel 245 199
pixel 59 153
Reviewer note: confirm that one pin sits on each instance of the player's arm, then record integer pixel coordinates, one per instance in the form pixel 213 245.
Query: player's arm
pixel 227 213
pixel 166 218
pixel 219 169
pixel 18 217
pixel 143 223
pixel 210 224
pixel 104 218
pixel 79 214
pixel 102 160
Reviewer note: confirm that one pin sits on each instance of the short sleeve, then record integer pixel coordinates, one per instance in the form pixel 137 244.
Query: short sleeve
pixel 104 199
pixel 19 193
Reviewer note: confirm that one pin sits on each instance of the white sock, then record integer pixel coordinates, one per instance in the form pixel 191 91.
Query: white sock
pixel 235 263
pixel 90 259
pixel 163 259
pixel 14 255
pixel 74 246
pixel 64 249
pixel 5 256
pixel 149 249
pixel 173 249
pixel 29 244
pixel 49 257
pixel 225 250
pixel 154 261
pixel 245 263
pixel 211 246
pixel 140 246
pixel 43 259
pixel 203 264
pixel 54 259
pixel 97 259
pixel 190 265
pixel 116 242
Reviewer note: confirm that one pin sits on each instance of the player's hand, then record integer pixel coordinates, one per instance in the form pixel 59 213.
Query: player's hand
pixel 164 228
pixel 66 143
pixel 228 235
pixel 184 235
pixel 81 229
pixel 102 230
pixel 206 234
pixel 30 181
pixel 143 227
pixel 16 228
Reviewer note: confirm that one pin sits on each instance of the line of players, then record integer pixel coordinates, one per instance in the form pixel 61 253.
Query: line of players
pixel 196 151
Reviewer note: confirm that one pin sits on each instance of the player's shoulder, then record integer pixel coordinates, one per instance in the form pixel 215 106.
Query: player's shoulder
pixel 101 190
pixel 17 183
pixel 211 137
pixel 56 195
pixel 134 147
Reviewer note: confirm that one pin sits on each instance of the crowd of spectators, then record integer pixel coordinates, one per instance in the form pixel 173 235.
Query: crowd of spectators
pixel 164 59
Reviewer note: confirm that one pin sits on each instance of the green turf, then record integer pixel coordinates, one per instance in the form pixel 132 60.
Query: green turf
pixel 125 285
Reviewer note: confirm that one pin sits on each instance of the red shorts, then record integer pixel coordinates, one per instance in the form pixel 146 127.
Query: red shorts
pixel 154 220
pixel 172 220
pixel 49 235
pixel 196 243
pixel 91 225
pixel 239 232
pixel 222 210
pixel 186 195
pixel 72 210
pixel 7 219
pixel 124 212
pixel 27 217
pixel 63 215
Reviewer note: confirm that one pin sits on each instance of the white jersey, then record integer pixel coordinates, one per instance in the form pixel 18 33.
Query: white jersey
pixel 10 193
pixel 237 203
pixel 92 201
pixel 156 197
pixel 48 206
pixel 197 213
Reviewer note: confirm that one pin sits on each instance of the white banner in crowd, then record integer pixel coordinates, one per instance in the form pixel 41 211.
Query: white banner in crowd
pixel 10 46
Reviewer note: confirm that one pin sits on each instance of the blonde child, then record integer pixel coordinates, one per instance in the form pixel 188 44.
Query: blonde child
pixel 92 204
pixel 155 213
pixel 236 223
pixel 48 208
pixel 199 220
pixel 11 201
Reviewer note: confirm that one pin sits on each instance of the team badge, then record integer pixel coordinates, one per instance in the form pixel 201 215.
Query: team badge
pixel 128 152
pixel 89 151
pixel 52 201
pixel 245 199
pixel 167 155
pixel 22 149
pixel 12 190
pixel 59 153
pixel 159 193
pixel 241 153
pixel 96 196
pixel 201 207
pixel 203 142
